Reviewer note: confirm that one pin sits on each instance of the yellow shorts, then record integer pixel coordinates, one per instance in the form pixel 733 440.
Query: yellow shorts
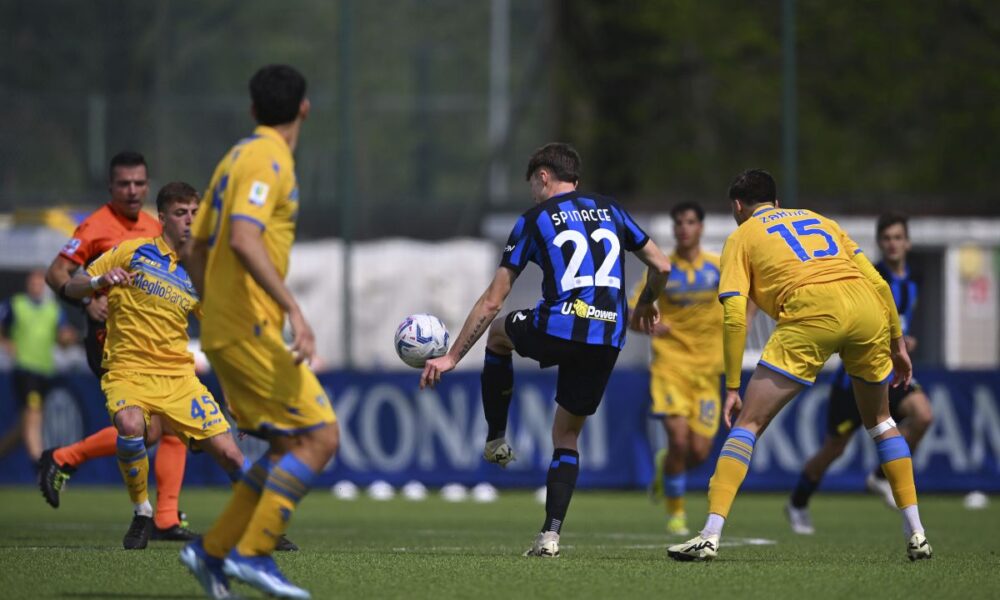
pixel 817 320
pixel 266 391
pixel 182 400
pixel 691 394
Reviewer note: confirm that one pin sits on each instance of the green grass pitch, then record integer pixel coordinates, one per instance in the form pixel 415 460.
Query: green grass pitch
pixel 612 547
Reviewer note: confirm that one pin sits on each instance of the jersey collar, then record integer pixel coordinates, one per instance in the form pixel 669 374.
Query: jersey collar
pixel 696 264
pixel 272 134
pixel 762 210
pixel 164 249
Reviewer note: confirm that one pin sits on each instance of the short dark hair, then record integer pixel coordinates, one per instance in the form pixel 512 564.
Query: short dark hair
pixel 560 158
pixel 175 191
pixel 683 207
pixel 887 220
pixel 276 92
pixel 126 158
pixel 753 186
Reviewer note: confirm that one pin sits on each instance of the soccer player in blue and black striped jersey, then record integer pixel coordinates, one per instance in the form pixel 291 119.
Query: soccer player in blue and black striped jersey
pixel 577 239
pixel 907 404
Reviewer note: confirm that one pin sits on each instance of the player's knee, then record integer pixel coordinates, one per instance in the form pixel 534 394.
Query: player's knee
pixel 677 444
pixel 327 440
pixel 497 340
pixel 130 422
pixel 920 416
pixel 698 454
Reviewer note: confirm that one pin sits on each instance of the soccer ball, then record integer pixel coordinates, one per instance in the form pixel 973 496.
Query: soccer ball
pixel 420 337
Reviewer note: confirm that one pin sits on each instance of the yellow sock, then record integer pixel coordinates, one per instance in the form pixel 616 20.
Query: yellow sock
pixel 134 466
pixel 899 472
pixel 730 470
pixel 894 454
pixel 231 524
pixel 675 506
pixel 287 482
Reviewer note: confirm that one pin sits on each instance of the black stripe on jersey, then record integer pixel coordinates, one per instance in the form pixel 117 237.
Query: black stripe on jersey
pixel 602 299
pixel 549 284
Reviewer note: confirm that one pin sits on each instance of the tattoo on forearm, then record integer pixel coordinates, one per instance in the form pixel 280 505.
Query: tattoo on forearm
pixel 648 295
pixel 477 330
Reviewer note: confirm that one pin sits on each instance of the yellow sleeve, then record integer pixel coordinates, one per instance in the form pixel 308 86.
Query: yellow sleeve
pixel 257 190
pixel 734 337
pixel 734 267
pixel 849 246
pixel 895 328
pixel 115 257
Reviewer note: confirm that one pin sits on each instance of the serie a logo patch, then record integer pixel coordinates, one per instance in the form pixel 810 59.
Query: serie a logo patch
pixel 258 193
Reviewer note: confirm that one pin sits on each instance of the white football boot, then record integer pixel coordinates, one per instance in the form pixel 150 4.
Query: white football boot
pixel 800 520
pixel 546 545
pixel 918 548
pixel 697 549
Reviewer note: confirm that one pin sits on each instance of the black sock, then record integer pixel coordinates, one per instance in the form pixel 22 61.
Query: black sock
pixel 497 384
pixel 804 489
pixel 559 487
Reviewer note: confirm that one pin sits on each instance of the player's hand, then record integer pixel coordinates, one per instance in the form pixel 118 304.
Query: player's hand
pixel 303 340
pixel 645 317
pixel 732 408
pixel 661 329
pixel 902 368
pixel 434 368
pixel 97 309
pixel 115 277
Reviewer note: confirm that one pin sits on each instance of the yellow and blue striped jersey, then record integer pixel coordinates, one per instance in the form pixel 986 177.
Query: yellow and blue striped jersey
pixel 777 250
pixel 254 182
pixel 148 320
pixel 688 304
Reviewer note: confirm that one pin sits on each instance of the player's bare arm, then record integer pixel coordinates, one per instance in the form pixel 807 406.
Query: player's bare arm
pixel 194 255
pixel 60 272
pixel 82 285
pixel 646 313
pixel 245 240
pixel 476 324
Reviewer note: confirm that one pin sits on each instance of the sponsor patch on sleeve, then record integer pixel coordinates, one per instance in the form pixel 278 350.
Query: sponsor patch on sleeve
pixel 258 193
pixel 71 246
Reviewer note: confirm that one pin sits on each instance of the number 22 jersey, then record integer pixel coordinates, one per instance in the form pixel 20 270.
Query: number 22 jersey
pixel 577 239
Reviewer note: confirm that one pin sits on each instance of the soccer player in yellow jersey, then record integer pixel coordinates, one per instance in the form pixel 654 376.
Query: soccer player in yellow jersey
pixel 807 274
pixel 687 361
pixel 238 260
pixel 148 369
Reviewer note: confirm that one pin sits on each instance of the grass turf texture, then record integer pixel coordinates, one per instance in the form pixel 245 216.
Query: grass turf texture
pixel 613 546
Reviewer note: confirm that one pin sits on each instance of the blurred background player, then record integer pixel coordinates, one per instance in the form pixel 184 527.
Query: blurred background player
pixel 238 261
pixel 907 404
pixel 808 275
pixel 578 325
pixel 687 361
pixel 122 218
pixel 147 367
pixel 31 324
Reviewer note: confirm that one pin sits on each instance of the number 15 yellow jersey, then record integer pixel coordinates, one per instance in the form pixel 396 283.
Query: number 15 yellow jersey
pixel 777 251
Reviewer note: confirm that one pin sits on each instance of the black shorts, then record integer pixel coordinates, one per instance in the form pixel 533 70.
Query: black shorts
pixel 30 388
pixel 584 369
pixel 842 415
pixel 93 343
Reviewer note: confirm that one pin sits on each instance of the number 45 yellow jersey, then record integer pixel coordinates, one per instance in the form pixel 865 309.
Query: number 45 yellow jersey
pixel 778 250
